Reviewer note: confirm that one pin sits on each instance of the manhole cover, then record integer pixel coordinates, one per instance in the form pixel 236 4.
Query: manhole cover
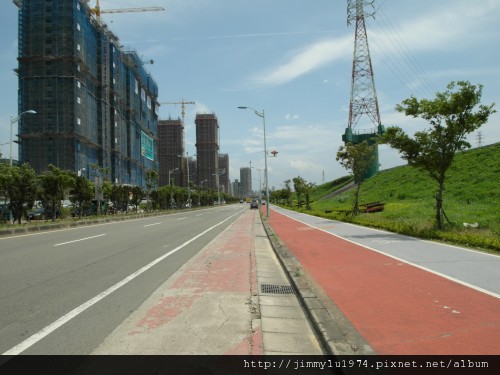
pixel 276 289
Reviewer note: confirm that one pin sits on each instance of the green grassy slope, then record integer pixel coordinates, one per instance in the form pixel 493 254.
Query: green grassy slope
pixel 472 195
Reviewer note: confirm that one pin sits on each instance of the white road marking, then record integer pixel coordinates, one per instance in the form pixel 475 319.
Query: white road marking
pixel 150 225
pixel 181 218
pixel 32 340
pixel 81 239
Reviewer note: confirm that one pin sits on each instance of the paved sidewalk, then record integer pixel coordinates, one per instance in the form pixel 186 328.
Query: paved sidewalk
pixel 232 298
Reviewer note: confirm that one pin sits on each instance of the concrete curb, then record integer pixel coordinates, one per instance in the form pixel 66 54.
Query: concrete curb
pixel 336 333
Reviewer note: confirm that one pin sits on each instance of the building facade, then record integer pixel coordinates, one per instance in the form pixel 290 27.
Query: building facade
pixel 225 186
pixel 207 150
pixel 170 151
pixel 246 182
pixel 96 106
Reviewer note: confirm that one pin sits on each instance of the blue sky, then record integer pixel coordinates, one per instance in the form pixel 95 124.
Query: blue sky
pixel 292 59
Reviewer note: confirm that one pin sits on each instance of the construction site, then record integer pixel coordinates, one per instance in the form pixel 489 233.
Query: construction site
pixel 96 105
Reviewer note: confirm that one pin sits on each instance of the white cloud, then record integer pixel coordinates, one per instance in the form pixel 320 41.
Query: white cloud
pixel 310 58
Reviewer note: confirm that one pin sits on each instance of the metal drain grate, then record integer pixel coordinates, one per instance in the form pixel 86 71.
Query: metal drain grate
pixel 276 289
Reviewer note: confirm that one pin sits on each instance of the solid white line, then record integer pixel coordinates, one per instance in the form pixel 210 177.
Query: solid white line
pixel 32 340
pixel 150 225
pixel 479 289
pixel 81 239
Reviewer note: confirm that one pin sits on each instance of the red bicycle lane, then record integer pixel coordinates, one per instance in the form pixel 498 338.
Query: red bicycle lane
pixel 398 308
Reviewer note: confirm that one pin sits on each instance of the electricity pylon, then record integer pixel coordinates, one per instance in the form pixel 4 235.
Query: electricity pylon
pixel 363 94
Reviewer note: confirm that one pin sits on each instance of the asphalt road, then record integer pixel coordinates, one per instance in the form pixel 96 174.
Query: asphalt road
pixel 63 292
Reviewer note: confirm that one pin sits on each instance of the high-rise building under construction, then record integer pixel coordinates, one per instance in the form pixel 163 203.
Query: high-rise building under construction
pixel 170 151
pixel 207 150
pixel 95 104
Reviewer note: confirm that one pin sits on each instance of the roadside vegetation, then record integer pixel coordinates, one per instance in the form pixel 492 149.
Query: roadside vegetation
pixel 56 195
pixel 460 187
pixel 471 208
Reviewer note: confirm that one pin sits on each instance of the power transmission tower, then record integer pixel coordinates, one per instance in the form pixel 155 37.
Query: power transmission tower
pixel 479 138
pixel 363 94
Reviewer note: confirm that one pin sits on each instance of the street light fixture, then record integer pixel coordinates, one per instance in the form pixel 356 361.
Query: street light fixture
pixel 13 120
pixel 188 188
pixel 263 116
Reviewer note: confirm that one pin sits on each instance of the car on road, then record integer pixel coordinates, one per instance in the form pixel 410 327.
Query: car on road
pixel 254 204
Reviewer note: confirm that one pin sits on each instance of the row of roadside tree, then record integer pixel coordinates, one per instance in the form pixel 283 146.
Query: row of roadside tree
pixel 21 189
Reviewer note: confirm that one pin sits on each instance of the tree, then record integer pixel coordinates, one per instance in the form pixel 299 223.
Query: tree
pixel 119 196
pixel 53 185
pixel 137 196
pixel 4 180
pixel 357 159
pixel 152 177
pixel 299 187
pixel 21 188
pixel 452 114
pixel 81 194
pixel 302 187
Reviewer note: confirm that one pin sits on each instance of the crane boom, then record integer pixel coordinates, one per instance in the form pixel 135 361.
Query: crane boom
pixel 98 11
pixel 132 10
pixel 183 107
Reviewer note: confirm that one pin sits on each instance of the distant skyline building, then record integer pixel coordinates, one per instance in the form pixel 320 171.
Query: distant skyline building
pixel 207 150
pixel 170 151
pixel 236 189
pixel 246 181
pixel 224 173
pixel 95 104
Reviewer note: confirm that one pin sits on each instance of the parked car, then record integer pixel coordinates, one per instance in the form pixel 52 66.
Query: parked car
pixel 37 214
pixel 254 204
pixel 47 213
pixel 5 214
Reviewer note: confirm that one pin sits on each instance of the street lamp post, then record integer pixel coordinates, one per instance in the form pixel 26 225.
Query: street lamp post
pixel 170 183
pixel 188 188
pixel 199 195
pixel 263 116
pixel 218 187
pixel 13 120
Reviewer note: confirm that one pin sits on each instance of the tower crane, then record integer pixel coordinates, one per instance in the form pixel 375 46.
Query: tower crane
pixel 183 107
pixel 98 11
